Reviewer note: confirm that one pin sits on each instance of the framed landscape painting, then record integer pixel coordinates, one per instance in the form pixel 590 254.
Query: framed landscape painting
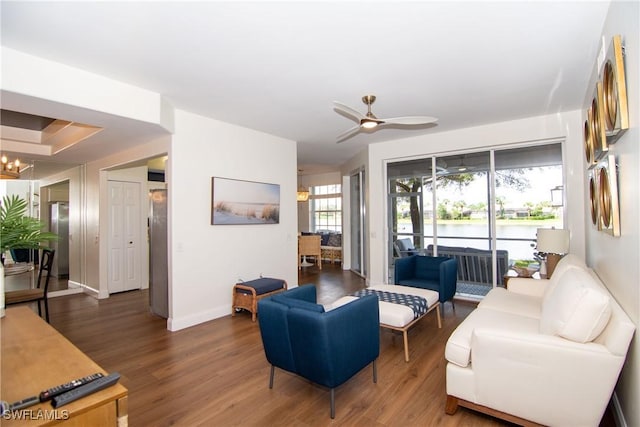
pixel 236 202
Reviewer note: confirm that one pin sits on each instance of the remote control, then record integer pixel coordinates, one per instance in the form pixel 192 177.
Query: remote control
pixel 84 390
pixel 25 403
pixel 57 390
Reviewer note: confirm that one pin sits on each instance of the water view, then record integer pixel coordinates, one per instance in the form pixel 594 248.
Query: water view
pixel 475 234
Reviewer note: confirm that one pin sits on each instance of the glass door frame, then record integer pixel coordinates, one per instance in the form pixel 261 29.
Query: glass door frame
pixel 357 208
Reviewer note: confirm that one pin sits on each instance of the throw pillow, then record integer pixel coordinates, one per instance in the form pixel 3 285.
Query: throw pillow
pixel 335 240
pixel 575 309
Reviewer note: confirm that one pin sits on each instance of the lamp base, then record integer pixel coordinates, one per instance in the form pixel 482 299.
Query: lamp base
pixel 552 261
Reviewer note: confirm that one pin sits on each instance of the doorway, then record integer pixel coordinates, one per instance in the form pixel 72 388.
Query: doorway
pixel 124 252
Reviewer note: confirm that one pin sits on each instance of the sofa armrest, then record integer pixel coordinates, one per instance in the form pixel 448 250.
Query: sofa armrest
pixel 329 348
pixel 528 286
pixel 508 366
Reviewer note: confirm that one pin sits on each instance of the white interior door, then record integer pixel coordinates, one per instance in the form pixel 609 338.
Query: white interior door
pixel 124 236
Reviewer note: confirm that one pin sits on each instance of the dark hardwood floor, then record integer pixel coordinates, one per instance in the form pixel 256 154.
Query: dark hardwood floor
pixel 216 373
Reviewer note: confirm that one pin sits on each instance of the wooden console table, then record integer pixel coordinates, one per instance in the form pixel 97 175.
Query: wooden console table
pixel 36 357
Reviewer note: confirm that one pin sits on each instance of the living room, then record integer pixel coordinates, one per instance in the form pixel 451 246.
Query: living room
pixel 200 147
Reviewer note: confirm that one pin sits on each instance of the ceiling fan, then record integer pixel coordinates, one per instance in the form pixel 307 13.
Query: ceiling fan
pixel 369 121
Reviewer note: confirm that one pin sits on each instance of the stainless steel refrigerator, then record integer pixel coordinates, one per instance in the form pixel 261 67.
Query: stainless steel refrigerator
pixel 59 224
pixel 158 256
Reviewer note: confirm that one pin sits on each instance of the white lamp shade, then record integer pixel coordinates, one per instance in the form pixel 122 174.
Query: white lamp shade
pixel 553 240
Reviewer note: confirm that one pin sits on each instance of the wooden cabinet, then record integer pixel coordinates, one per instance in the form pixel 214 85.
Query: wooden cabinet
pixel 36 357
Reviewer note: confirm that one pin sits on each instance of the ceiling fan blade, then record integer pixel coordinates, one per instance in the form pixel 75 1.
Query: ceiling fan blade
pixel 348 111
pixel 348 134
pixel 410 120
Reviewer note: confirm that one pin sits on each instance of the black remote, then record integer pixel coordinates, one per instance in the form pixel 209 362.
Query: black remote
pixel 62 388
pixel 24 403
pixel 85 390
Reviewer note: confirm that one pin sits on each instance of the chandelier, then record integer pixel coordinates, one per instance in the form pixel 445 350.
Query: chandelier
pixel 303 194
pixel 10 169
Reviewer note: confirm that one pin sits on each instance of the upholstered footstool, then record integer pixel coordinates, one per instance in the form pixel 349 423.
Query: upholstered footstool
pixel 396 315
pixel 247 294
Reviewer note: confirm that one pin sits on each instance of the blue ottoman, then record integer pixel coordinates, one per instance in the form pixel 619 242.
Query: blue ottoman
pixel 247 294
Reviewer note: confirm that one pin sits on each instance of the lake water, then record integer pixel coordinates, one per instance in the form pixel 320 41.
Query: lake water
pixel 475 235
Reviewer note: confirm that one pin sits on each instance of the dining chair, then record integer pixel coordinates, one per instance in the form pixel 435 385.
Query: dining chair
pixel 39 293
pixel 310 246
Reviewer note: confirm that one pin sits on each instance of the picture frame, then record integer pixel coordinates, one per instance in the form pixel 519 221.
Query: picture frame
pixel 239 202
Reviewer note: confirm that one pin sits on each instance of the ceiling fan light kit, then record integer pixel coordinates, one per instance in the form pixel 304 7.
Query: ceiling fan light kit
pixel 369 121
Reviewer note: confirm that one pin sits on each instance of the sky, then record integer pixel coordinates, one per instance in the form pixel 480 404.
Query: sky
pixel 542 180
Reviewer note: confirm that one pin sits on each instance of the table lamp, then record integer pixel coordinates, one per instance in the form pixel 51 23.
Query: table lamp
pixel 555 243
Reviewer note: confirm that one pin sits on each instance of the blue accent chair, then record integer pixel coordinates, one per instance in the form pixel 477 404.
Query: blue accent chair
pixel 327 348
pixel 428 272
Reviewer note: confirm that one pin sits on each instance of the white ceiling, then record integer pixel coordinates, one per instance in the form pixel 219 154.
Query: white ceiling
pixel 278 66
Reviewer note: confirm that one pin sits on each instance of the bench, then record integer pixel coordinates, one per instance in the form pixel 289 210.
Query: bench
pixel 399 317
pixel 247 294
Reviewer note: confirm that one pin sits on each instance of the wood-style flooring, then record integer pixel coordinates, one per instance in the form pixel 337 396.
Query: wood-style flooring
pixel 216 374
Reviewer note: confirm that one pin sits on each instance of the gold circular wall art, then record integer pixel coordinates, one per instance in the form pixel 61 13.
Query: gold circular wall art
pixel 610 96
pixel 593 198
pixel 605 197
pixel 588 140
pixel 596 136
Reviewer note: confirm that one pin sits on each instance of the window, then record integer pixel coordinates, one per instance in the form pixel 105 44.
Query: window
pixel 326 208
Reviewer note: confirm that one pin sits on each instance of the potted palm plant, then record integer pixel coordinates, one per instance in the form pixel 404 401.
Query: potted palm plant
pixel 17 229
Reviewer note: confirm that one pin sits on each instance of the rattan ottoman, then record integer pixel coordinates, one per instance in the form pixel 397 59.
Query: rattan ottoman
pixel 247 294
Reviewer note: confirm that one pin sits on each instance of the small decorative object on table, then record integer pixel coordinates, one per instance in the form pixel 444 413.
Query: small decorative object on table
pixel 247 294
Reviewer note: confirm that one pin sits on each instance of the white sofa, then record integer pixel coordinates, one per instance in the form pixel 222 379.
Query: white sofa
pixel 542 351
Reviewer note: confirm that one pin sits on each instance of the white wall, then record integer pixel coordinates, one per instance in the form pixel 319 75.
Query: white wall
pixel 617 259
pixel 552 128
pixel 207 260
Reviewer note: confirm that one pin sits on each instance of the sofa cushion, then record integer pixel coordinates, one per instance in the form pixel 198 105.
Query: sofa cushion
pixel 510 302
pixel 458 348
pixel 566 263
pixel 298 303
pixel 576 309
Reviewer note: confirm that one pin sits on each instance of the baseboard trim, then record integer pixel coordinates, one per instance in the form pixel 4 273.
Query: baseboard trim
pixel 618 415
pixel 63 292
pixel 177 323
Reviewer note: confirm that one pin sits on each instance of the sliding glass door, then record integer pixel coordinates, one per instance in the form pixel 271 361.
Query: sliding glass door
pixel 482 208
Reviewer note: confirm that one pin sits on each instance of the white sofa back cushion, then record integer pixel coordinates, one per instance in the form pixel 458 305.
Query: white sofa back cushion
pixel 576 308
pixel 566 263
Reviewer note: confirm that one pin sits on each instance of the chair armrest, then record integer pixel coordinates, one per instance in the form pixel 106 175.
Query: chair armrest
pixel 508 366
pixel 329 348
pixel 528 286
pixel 274 333
pixel 448 279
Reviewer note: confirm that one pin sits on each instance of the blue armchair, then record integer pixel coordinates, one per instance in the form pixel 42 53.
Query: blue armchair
pixel 326 348
pixel 428 272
